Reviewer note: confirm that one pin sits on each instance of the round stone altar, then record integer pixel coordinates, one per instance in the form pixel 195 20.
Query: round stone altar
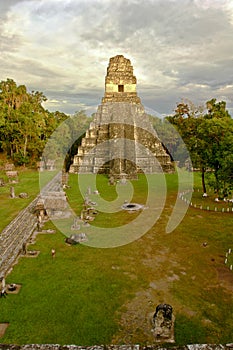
pixel 132 206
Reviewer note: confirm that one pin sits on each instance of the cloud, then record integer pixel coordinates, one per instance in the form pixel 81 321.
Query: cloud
pixel 62 47
pixel 6 5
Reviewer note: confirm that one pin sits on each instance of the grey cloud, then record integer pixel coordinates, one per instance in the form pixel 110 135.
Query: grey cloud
pixel 9 45
pixel 176 41
pixel 5 5
pixel 213 75
pixel 39 69
pixel 166 103
pixel 73 10
pixel 173 23
pixel 73 93
pixel 156 30
pixel 75 100
pixel 14 41
pixel 33 68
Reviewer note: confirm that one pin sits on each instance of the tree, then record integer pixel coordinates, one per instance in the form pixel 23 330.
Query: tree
pixel 219 134
pixel 25 125
pixel 78 125
pixel 165 132
pixel 188 119
pixel 216 109
pixel 209 139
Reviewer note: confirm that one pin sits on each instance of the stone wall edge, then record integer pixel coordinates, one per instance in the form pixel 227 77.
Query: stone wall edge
pixel 116 347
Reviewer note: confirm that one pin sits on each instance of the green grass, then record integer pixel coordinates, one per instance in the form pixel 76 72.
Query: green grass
pixel 207 202
pixel 230 259
pixel 109 194
pixel 64 298
pixel 188 330
pixel 29 181
pixel 89 296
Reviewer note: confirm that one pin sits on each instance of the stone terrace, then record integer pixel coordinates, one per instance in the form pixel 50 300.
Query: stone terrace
pixel 14 235
pixel 21 228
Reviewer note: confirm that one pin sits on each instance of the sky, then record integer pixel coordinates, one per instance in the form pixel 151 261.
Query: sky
pixel 180 49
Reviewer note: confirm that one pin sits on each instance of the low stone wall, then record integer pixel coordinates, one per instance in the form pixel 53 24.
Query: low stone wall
pixel 115 347
pixel 20 230
pixel 14 235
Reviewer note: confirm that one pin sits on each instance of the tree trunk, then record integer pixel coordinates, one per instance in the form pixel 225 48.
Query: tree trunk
pixel 11 151
pixel 25 146
pixel 217 182
pixel 203 179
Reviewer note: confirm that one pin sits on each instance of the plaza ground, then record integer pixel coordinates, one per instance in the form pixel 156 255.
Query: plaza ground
pixel 89 295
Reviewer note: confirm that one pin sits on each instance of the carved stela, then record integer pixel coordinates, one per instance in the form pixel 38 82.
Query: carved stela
pixel 163 324
pixel 121 139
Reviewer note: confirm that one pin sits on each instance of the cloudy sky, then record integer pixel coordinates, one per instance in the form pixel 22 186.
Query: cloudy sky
pixel 180 49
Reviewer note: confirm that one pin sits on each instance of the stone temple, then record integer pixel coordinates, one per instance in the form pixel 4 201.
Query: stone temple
pixel 121 140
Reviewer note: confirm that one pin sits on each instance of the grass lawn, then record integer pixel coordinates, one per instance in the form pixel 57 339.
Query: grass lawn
pixel 230 259
pixel 90 296
pixel 29 182
pixel 208 202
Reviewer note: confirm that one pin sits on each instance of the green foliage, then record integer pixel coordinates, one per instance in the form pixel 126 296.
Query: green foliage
pixel 170 139
pixel 217 109
pixel 25 126
pixel 209 139
pixel 64 141
pixel 29 183
pixel 77 124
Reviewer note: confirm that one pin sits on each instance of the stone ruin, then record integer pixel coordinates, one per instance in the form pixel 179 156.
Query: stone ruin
pixel 48 164
pixel 52 204
pixel 115 347
pixel 120 83
pixel 163 324
pixel 9 167
pixel 121 138
pixel 76 238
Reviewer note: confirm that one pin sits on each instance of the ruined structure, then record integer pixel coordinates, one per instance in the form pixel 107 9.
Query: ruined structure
pixel 120 83
pixel 163 324
pixel 121 139
pixel 115 347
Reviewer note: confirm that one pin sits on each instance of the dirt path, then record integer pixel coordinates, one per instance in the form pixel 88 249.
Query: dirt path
pixel 135 317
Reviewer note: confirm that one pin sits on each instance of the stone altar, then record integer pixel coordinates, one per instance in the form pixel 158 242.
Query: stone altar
pixel 121 139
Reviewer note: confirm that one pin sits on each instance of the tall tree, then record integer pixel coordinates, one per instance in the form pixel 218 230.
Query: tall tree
pixel 218 133
pixel 25 125
pixel 209 140
pixel 188 119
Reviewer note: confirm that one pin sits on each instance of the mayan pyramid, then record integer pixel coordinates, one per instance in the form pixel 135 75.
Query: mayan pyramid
pixel 121 139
